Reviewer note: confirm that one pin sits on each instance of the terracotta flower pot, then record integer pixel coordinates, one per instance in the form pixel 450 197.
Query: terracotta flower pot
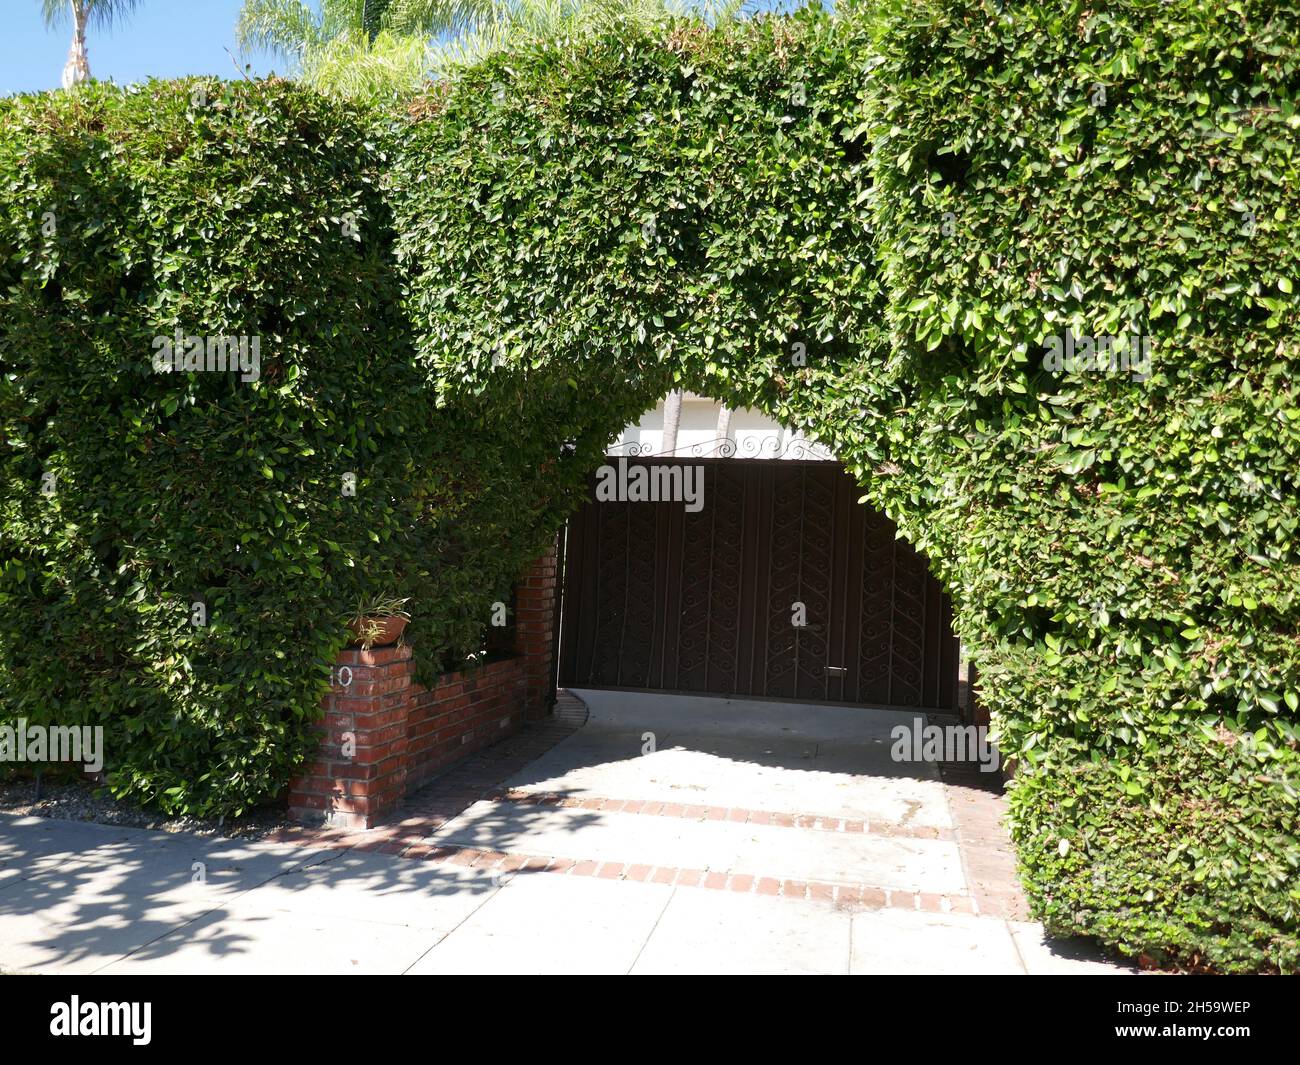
pixel 382 632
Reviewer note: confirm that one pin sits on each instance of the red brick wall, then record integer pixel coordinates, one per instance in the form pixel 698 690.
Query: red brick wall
pixel 462 713
pixel 384 735
pixel 535 633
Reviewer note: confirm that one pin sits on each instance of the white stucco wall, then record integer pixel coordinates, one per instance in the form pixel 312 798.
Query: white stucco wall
pixel 751 435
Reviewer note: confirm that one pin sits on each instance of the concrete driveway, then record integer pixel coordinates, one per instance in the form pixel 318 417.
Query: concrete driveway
pixel 667 835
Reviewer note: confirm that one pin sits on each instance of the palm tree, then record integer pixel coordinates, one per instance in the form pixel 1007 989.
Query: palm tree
pixel 672 421
pixel 723 433
pixel 84 13
pixel 346 46
pixel 380 48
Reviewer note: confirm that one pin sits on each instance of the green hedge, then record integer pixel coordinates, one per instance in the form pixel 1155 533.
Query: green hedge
pixel 217 210
pixel 922 195
pixel 584 226
pixel 222 210
pixel 1129 571
pixel 870 227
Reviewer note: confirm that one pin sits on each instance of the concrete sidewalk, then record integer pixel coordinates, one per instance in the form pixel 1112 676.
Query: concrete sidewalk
pixel 744 839
pixel 80 898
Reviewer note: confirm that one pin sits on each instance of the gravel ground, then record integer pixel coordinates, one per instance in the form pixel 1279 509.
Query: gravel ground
pixel 89 802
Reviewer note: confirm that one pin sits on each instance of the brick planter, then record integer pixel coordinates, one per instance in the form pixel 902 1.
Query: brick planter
pixel 383 735
pixel 360 770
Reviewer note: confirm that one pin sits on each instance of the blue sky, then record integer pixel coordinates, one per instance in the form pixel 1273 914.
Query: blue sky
pixel 165 38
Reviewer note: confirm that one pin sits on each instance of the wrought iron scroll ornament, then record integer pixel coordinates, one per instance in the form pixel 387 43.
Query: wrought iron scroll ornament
pixel 750 447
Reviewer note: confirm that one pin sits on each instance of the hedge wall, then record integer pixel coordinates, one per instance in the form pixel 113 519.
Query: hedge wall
pixel 280 500
pixel 1129 571
pixel 587 225
pixel 874 227
pixel 130 494
pixel 922 196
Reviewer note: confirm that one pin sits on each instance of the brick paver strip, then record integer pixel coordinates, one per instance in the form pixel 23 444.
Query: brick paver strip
pixel 977 805
pixel 734 814
pixel 856 896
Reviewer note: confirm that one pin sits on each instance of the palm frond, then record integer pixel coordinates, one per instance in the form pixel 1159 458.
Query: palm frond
pixel 439 18
pixel 340 50
pixel 99 13
pixel 392 66
pixel 287 27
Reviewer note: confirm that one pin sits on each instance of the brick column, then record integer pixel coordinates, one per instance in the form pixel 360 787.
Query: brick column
pixel 535 632
pixel 359 774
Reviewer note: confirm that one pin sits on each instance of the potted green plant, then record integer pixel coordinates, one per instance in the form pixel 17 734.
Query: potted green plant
pixel 378 622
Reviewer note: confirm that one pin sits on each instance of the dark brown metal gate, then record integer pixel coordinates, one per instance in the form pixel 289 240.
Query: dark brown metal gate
pixel 656 597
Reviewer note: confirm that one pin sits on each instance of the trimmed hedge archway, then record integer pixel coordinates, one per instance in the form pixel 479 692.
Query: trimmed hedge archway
pixel 1028 275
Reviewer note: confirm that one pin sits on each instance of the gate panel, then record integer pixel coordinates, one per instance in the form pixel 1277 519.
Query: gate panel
pixel 656 597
